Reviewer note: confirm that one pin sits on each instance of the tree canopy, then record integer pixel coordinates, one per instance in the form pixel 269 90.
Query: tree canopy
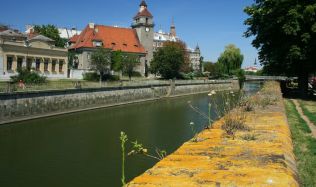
pixel 214 69
pixel 101 61
pixel 231 59
pixel 51 32
pixel 284 33
pixel 170 59
pixel 130 61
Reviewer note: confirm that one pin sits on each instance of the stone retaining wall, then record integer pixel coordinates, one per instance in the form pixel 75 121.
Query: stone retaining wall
pixel 261 156
pixel 24 105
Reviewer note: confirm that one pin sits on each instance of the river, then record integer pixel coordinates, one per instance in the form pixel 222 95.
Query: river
pixel 83 149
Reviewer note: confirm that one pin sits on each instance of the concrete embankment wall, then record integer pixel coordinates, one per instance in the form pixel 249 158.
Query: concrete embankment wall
pixel 27 105
pixel 260 156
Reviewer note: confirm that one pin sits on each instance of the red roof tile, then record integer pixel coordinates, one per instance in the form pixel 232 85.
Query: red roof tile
pixel 144 13
pixel 74 38
pixel 115 38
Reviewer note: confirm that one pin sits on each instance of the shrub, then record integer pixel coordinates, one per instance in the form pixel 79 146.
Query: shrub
pixel 93 76
pixel 134 74
pixel 249 137
pixel 233 122
pixel 28 77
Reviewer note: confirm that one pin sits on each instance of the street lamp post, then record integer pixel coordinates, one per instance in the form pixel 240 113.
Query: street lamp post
pixel 27 45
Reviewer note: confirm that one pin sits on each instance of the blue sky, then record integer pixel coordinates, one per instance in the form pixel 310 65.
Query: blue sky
pixel 212 24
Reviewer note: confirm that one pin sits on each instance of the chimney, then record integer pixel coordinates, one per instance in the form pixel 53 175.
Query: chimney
pixel 91 25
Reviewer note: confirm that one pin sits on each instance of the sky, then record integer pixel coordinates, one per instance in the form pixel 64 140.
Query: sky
pixel 212 24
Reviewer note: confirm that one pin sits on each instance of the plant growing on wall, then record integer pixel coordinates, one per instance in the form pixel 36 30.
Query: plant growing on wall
pixel 137 148
pixel 123 139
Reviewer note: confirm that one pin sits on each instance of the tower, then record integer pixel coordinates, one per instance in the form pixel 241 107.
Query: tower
pixel 144 26
pixel 173 29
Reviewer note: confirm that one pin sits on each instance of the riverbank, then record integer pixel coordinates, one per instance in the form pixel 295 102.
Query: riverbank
pixel 262 155
pixel 20 106
pixel 304 143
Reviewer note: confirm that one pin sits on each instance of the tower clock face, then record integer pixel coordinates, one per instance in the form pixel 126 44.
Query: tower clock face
pixel 147 29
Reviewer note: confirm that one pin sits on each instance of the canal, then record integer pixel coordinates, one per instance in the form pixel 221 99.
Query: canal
pixel 83 149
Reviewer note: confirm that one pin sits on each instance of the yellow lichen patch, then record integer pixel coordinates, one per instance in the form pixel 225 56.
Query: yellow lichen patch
pixel 260 156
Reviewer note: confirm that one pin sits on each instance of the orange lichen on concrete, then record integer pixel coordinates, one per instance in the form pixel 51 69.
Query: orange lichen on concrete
pixel 216 159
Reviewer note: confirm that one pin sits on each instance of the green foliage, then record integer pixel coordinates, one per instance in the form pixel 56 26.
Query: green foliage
pixel 93 76
pixel 51 32
pixel 186 76
pixel 117 60
pixel 310 115
pixel 234 122
pixel 28 77
pixel 249 137
pixel 130 61
pixel 137 148
pixel 101 61
pixel 125 62
pixel 241 77
pixel 302 124
pixel 304 147
pixel 71 60
pixel 230 60
pixel 284 33
pixel 214 69
pixel 134 74
pixel 168 61
pixel 124 139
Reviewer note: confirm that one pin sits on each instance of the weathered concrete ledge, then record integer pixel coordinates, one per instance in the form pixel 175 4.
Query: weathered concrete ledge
pixel 218 160
pixel 22 106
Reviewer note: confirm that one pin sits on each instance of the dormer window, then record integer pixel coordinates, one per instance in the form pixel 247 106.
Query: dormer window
pixel 124 44
pixel 135 45
pixel 97 43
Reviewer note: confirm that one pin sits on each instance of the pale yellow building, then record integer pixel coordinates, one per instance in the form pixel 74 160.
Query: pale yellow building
pixel 36 53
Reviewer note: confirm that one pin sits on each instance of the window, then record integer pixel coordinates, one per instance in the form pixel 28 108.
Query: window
pixel 146 20
pixel 19 63
pixel 97 43
pixel 9 63
pixel 46 65
pixel 61 63
pixel 76 62
pixel 37 64
pixel 124 44
pixel 53 65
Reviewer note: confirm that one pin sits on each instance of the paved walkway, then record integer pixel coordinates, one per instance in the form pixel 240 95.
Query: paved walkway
pixel 217 160
pixel 305 118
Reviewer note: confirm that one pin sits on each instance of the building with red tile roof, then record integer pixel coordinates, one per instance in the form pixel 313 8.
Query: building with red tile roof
pixel 137 40
pixel 114 38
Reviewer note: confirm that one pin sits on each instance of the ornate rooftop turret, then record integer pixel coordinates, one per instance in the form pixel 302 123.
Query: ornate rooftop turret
pixel 173 29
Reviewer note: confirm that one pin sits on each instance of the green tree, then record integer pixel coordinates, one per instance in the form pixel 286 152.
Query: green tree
pixel 117 60
pixel 51 32
pixel 101 61
pixel 168 60
pixel 130 61
pixel 214 69
pixel 285 35
pixel 231 59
